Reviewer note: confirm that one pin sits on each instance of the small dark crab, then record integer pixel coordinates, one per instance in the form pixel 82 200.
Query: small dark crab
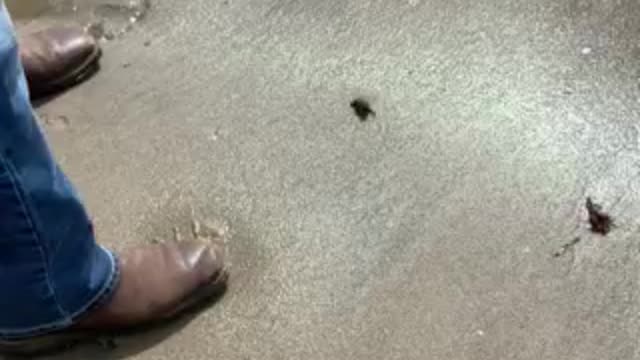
pixel 362 108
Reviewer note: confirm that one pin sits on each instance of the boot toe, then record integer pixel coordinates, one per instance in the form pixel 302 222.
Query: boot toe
pixel 207 260
pixel 74 45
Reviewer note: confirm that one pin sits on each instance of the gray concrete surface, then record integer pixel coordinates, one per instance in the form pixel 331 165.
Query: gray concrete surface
pixel 425 233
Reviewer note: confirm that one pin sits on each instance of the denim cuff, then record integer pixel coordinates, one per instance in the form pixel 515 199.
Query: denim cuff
pixel 102 296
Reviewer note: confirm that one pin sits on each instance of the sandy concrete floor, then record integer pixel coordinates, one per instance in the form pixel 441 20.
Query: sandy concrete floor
pixel 427 232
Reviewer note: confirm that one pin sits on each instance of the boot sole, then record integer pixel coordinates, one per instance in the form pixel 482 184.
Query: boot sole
pixel 65 340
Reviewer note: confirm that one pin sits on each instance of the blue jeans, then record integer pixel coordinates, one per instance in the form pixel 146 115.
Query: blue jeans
pixel 52 272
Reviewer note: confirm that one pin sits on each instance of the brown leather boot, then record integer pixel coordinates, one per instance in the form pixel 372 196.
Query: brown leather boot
pixel 57 58
pixel 158 283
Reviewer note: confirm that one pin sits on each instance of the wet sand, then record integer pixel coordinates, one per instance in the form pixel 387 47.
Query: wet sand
pixel 430 231
pixel 106 19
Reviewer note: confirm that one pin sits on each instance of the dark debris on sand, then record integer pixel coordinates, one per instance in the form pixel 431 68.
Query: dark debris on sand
pixel 362 108
pixel 600 221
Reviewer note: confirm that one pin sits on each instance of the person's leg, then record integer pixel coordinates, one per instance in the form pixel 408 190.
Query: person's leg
pixel 48 256
pixel 55 281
